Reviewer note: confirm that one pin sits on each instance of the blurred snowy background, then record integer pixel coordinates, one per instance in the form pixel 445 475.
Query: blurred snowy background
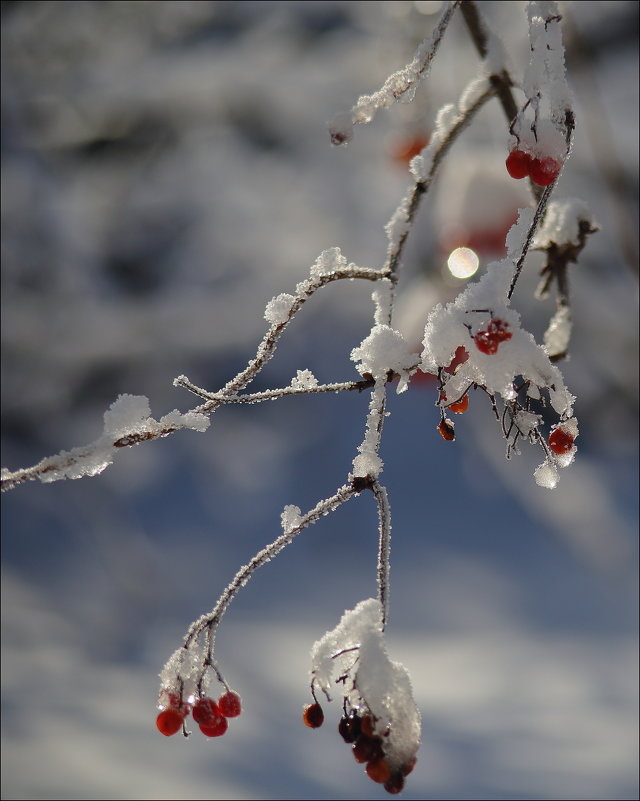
pixel 166 170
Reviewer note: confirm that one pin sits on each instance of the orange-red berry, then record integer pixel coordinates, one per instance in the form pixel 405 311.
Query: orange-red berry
pixel 460 406
pixel 313 716
pixel 169 721
pixel 230 705
pixel 378 770
pixel 518 164
pixel 560 441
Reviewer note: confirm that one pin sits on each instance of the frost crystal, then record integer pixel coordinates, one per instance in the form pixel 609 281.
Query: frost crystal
pixel 304 379
pixel 290 517
pixel 279 308
pixel 354 657
pixel 328 262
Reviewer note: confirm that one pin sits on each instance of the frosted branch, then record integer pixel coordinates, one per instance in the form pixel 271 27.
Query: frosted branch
pixel 399 85
pixel 211 620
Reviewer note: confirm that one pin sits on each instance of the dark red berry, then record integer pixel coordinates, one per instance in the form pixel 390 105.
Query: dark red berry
pixel 313 716
pixel 169 721
pixel 349 728
pixel 206 712
pixel 367 725
pixel 216 729
pixel 544 171
pixel 518 164
pixel 560 441
pixel 446 430
pixel 394 784
pixel 367 748
pixel 230 705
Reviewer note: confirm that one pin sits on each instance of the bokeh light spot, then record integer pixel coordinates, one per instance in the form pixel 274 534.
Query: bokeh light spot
pixel 463 262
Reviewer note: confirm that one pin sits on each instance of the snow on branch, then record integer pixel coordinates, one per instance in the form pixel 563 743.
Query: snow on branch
pixel 127 422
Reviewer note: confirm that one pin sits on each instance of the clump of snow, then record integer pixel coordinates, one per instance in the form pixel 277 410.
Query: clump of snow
pixel 374 685
pixel 558 334
pixel 279 308
pixel 291 517
pixel 545 76
pixel 385 350
pixel 561 224
pixel 128 414
pixel 328 262
pixel 518 233
pixel 546 475
pixel 543 126
pixel 304 379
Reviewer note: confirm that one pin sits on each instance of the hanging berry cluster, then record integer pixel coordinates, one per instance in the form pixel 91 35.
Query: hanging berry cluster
pixel 211 716
pixel 358 728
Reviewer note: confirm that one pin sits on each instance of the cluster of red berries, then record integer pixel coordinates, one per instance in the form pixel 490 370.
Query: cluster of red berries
pixel 488 341
pixel 560 441
pixel 211 716
pixel 542 171
pixel 367 747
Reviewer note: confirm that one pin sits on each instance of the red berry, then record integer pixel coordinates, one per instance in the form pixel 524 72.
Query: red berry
pixel 206 712
pixel 488 341
pixel 366 748
pixel 395 784
pixel 560 441
pixel 544 171
pixel 378 770
pixel 313 716
pixel 459 357
pixel 518 164
pixel 215 729
pixel 349 728
pixel 367 725
pixel 229 705
pixel 460 406
pixel 169 721
pixel 446 430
